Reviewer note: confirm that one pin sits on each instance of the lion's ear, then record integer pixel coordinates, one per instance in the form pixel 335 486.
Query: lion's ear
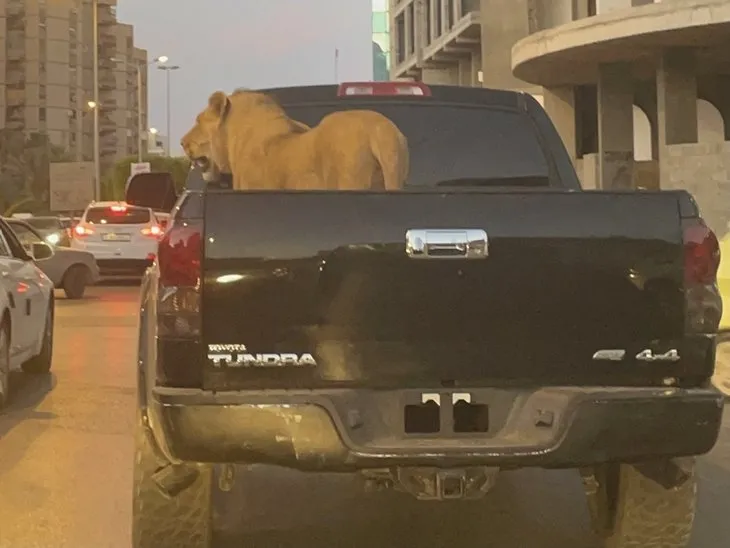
pixel 218 102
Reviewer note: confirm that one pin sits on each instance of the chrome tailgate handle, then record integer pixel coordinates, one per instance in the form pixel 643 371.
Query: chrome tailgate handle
pixel 466 243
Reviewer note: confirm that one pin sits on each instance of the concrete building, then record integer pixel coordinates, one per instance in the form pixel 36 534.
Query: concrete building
pixel 46 77
pixel 156 143
pixel 639 90
pixel 437 41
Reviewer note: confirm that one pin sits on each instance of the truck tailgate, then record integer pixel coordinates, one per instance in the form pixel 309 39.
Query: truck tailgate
pixel 563 275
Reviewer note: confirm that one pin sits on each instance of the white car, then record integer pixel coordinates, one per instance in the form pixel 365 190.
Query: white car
pixel 26 310
pixel 123 238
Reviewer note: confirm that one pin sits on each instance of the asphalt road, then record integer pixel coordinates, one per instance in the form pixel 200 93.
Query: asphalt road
pixel 66 467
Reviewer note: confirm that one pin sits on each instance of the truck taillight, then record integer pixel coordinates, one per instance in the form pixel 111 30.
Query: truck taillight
pixel 353 89
pixel 701 262
pixel 179 255
pixel 701 254
pixel 179 354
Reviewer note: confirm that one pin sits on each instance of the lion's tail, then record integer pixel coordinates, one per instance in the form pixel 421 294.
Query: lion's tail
pixel 390 148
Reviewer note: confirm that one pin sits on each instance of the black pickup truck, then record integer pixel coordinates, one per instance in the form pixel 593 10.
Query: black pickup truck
pixel 490 316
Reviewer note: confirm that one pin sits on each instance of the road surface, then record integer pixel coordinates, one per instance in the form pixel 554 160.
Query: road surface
pixel 66 458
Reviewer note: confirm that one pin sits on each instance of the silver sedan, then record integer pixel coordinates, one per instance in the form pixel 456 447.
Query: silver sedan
pixel 70 269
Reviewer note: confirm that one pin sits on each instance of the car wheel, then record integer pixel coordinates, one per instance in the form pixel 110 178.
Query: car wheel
pixel 42 362
pixel 75 281
pixel 4 364
pixel 160 520
pixel 631 509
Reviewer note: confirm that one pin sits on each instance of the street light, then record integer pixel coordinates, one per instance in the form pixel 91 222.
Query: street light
pixel 168 69
pixel 138 67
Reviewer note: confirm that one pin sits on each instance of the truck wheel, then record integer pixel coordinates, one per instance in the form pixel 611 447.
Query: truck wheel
pixel 75 281
pixel 160 521
pixel 631 509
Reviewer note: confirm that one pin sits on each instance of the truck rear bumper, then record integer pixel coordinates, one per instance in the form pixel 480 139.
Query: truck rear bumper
pixel 345 430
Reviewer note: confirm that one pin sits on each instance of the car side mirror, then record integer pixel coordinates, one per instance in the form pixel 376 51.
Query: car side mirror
pixel 41 251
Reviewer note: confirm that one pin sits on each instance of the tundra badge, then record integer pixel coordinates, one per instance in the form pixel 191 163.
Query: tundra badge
pixel 236 355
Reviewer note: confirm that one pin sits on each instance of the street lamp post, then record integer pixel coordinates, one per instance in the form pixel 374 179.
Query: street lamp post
pixel 140 96
pixel 168 69
pixel 97 152
pixel 140 125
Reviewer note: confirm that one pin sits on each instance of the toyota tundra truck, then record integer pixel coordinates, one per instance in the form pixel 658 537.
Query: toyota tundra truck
pixel 490 316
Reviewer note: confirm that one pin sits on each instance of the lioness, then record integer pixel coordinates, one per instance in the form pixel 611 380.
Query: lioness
pixel 248 135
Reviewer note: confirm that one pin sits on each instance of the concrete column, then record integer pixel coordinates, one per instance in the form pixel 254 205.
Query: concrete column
pixel 499 34
pixel 432 20
pixel 716 90
pixel 476 66
pixel 580 9
pixel 559 103
pixel 645 97
pixel 676 84
pixel 615 126
pixel 465 72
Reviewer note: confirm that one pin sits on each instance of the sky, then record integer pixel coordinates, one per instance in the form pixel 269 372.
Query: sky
pixel 226 44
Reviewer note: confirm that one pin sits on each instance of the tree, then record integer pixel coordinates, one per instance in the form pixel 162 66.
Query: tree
pixel 380 64
pixel 24 169
pixel 114 181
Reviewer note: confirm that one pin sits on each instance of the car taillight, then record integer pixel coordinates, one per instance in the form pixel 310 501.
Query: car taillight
pixel 81 231
pixel 153 231
pixel 179 354
pixel 352 89
pixel 701 262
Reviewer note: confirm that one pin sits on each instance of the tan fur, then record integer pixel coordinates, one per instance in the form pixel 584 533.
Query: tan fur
pixel 249 135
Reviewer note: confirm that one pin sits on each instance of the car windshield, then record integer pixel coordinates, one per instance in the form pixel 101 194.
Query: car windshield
pixel 118 215
pixel 44 223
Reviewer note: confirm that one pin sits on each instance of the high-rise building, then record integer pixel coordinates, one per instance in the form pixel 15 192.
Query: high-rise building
pixel 381 40
pixel 46 80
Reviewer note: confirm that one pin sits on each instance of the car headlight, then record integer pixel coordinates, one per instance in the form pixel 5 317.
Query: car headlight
pixel 53 239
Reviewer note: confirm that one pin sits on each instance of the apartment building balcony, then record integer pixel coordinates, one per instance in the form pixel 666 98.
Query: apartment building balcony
pixel 15 97
pixel 15 53
pixel 15 117
pixel 438 34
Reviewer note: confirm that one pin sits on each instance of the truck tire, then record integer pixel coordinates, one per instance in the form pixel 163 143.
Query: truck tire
pixel 632 510
pixel 160 521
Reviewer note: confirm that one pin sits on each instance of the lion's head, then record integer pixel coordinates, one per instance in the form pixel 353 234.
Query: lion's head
pixel 243 119
pixel 202 143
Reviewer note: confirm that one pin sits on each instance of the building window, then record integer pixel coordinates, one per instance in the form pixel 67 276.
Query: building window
pixel 42 114
pixel 400 36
